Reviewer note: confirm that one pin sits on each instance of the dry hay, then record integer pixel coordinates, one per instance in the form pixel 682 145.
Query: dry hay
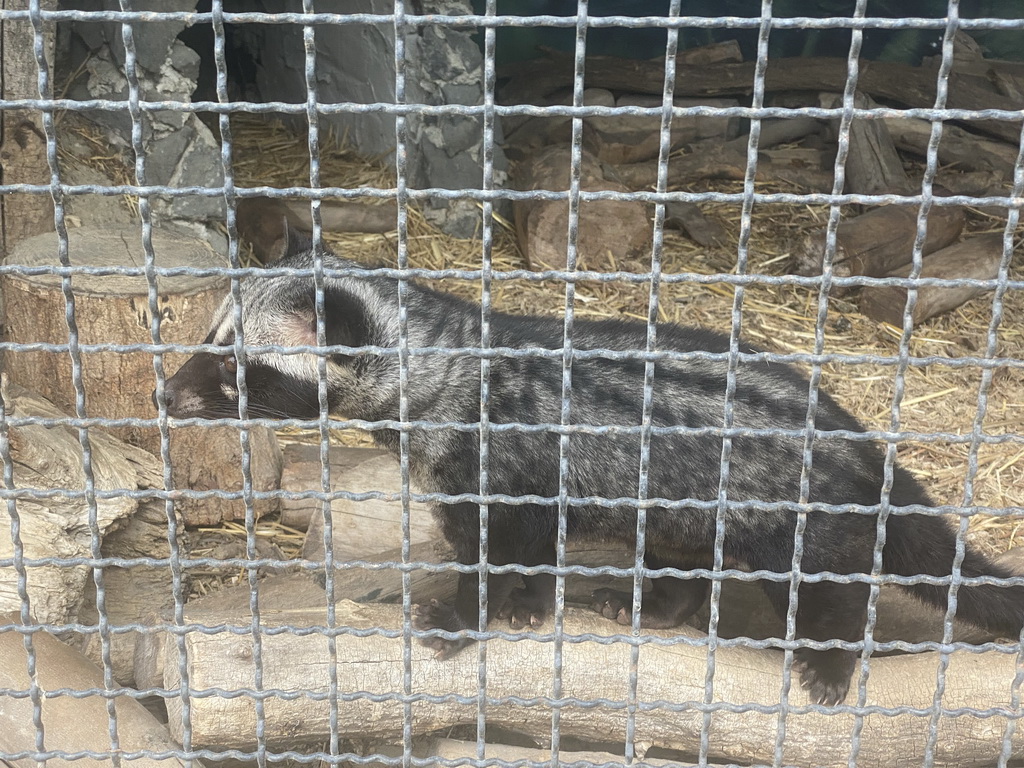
pixel 229 541
pixel 779 318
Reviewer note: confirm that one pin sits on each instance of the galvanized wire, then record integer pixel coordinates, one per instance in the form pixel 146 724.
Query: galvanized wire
pixel 488 113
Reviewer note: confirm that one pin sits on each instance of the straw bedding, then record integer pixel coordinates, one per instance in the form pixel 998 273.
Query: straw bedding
pixel 936 398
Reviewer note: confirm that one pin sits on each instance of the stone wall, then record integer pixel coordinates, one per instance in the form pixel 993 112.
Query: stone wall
pixel 180 149
pixel 354 63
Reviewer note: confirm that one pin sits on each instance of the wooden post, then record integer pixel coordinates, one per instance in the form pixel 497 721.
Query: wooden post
pixel 115 309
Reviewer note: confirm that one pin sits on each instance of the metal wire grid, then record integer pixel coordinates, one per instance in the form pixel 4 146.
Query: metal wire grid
pixel 487 194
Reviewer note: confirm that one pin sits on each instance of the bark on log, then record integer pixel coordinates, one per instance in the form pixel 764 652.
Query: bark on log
pixel 610 231
pixel 715 160
pixel 977 257
pixel 73 725
pixel 50 458
pixel 261 220
pixel 689 218
pixel 115 309
pixel 534 133
pixel 957 147
pixel 22 140
pixel 453 749
pixel 590 671
pixel 884 80
pixel 873 167
pixel 628 139
pixel 879 241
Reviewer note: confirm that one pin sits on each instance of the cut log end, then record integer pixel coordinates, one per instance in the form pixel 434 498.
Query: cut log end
pixel 975 258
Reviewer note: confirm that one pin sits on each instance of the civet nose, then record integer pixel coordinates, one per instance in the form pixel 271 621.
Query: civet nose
pixel 169 399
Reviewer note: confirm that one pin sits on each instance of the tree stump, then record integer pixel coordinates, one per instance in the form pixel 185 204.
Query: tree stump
pixel 610 231
pixel 23 144
pixel 115 309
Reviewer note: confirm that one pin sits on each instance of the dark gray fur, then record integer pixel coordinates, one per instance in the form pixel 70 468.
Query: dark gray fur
pixel 364 311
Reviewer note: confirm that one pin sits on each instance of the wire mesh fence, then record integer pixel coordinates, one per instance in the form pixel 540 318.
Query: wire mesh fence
pixel 374 691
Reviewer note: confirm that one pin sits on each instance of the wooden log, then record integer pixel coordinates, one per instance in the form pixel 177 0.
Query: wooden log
pixel 454 749
pixel 1003 77
pixel 715 160
pixel 277 592
pixel 610 231
pixel 957 147
pixel 535 133
pixel 115 309
pixel 974 183
pixel 799 157
pixel 50 458
pixel 303 589
pixel 745 611
pixel 977 257
pixel 132 593
pixel 689 218
pixel 73 724
pixel 873 166
pixel 22 139
pixel 879 241
pixel 724 52
pixel 261 220
pixel 360 527
pixel 630 139
pixel 298 662
pixel 888 81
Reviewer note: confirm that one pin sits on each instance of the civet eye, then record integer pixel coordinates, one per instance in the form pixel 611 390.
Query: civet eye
pixel 230 363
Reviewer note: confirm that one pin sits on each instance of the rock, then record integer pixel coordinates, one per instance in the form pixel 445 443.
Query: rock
pixel 180 150
pixel 199 164
pixel 355 63
pixel 89 210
